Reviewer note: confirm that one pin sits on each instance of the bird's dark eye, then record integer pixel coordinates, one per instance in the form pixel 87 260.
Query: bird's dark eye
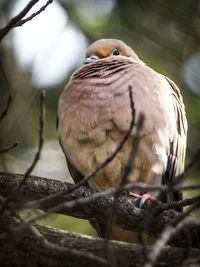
pixel 116 52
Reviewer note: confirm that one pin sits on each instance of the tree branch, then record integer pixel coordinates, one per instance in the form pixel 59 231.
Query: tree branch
pixel 22 21
pixel 128 215
pixel 16 21
pixel 4 113
pixel 27 246
pixel 4 150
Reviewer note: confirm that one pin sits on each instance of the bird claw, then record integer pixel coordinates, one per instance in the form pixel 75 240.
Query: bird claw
pixel 143 198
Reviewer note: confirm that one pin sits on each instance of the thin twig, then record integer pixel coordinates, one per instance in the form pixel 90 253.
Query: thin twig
pixel 4 150
pixel 129 167
pixel 99 168
pixel 129 216
pixel 11 24
pixel 41 140
pixel 35 160
pixel 126 187
pixel 22 21
pixel 4 113
pixel 119 148
pixel 16 21
pixel 12 178
pixel 173 227
pixel 66 205
pixel 159 209
pixel 75 203
pixel 71 204
pixel 49 245
pixel 177 204
pixel 142 187
pixel 163 188
pixel 130 164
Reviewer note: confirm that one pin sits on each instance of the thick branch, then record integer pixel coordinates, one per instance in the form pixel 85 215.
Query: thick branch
pixel 128 215
pixel 27 251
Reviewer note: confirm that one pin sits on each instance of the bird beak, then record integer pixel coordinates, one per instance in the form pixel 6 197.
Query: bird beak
pixel 90 59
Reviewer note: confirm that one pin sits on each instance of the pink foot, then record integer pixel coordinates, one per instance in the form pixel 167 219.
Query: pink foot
pixel 143 198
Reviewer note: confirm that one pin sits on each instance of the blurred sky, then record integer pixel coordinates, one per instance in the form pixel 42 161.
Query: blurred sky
pixel 49 44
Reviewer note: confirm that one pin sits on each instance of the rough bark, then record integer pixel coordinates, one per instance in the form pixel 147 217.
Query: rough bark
pixel 128 215
pixel 23 249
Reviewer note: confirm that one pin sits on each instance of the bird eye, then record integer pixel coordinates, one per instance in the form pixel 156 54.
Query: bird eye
pixel 116 52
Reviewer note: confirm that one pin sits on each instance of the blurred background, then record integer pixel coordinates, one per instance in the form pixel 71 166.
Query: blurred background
pixel 43 53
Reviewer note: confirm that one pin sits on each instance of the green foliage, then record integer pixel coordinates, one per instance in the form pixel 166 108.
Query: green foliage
pixel 69 223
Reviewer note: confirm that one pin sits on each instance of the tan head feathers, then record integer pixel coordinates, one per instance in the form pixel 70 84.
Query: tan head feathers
pixel 110 47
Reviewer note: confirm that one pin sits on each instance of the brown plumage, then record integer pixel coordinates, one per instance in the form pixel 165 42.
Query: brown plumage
pixel 94 115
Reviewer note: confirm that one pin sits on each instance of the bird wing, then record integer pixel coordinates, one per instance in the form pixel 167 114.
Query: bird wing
pixel 175 164
pixel 75 174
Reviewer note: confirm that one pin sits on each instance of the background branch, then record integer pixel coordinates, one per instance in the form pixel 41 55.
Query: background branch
pixel 14 192
pixel 4 113
pixel 4 150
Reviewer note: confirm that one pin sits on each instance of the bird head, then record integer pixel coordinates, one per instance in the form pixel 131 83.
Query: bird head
pixel 106 48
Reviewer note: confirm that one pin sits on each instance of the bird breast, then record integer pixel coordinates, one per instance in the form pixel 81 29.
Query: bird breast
pixel 95 114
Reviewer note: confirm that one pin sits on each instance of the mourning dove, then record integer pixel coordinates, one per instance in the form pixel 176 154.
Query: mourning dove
pixel 94 115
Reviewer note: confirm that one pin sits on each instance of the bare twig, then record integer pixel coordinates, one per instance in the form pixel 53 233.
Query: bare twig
pixel 130 164
pixel 92 174
pixel 129 215
pixel 16 21
pixel 172 205
pixel 163 188
pixel 22 21
pixel 68 205
pixel 109 159
pixel 4 150
pixel 168 232
pixel 159 209
pixel 11 24
pixel 178 204
pixel 11 179
pixel 41 140
pixel 4 113
pixel 49 245
pixel 35 160
pixel 129 167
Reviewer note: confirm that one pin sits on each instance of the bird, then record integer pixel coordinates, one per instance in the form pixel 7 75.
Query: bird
pixel 94 115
